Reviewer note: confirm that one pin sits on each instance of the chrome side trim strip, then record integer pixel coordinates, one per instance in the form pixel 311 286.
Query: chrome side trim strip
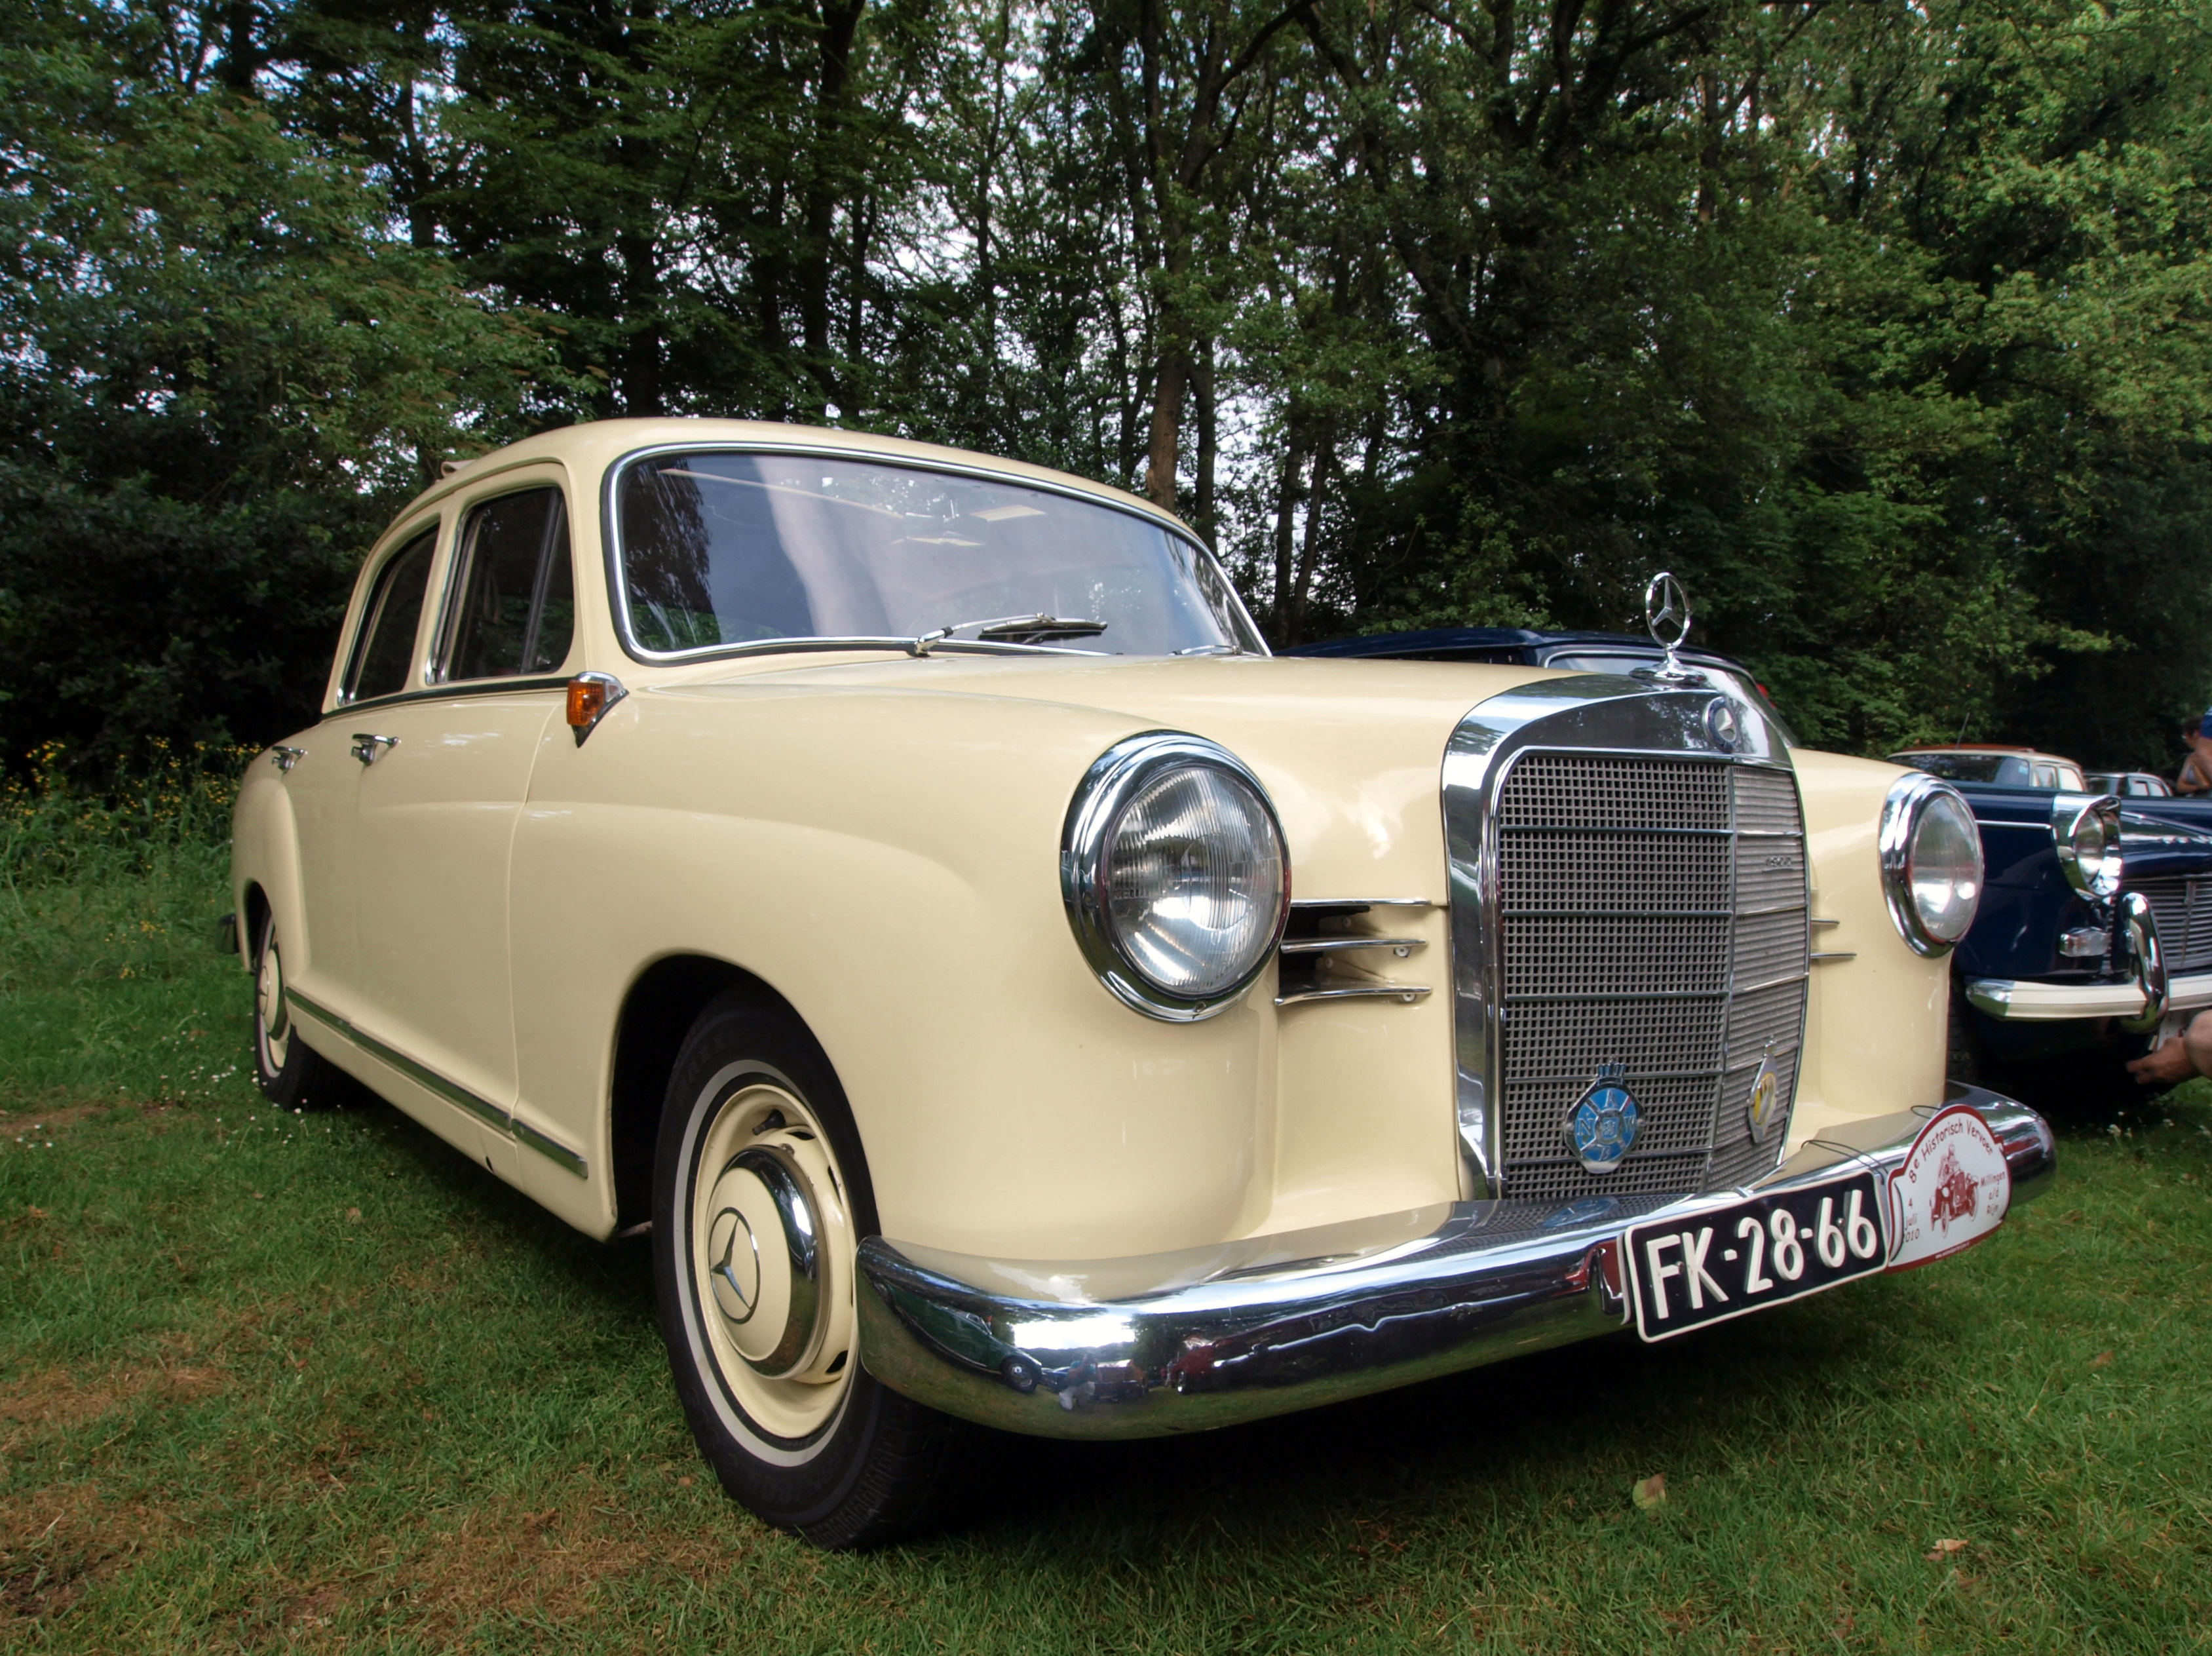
pixel 552 1149
pixel 1344 903
pixel 1335 945
pixel 482 1109
pixel 1408 993
pixel 1216 1336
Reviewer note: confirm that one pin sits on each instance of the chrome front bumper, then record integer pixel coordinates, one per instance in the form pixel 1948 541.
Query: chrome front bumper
pixel 2025 1001
pixel 1211 1336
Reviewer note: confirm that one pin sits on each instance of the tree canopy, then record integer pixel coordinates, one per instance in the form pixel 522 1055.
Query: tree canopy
pixel 1886 323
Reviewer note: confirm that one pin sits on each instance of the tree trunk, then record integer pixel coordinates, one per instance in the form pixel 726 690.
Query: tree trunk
pixel 1316 497
pixel 1201 388
pixel 1286 511
pixel 841 22
pixel 641 304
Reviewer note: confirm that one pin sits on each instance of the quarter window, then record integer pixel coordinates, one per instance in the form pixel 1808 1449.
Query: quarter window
pixel 516 609
pixel 384 659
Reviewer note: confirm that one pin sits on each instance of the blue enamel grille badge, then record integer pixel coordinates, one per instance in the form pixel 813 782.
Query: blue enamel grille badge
pixel 1603 1125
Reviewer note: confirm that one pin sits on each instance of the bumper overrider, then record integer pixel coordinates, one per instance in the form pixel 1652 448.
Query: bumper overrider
pixel 1202 1337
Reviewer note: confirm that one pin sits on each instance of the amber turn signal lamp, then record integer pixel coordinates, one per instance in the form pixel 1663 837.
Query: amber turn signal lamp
pixel 590 695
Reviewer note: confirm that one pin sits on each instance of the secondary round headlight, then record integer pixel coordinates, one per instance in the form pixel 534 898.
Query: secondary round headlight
pixel 1173 871
pixel 1932 863
pixel 2087 833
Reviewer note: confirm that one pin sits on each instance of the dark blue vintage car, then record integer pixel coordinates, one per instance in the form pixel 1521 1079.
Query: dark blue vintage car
pixel 2095 933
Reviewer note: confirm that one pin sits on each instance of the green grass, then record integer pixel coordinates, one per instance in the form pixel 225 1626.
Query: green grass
pixel 274 1380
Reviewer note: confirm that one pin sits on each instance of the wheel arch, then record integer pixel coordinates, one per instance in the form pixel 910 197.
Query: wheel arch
pixel 252 913
pixel 656 1013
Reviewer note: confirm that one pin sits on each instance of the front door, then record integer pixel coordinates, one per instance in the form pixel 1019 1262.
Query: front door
pixel 438 800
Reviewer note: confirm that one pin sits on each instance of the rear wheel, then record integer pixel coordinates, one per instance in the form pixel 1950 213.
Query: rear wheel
pixel 291 1074
pixel 761 1197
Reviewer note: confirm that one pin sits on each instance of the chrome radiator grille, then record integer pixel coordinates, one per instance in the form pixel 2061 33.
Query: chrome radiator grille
pixel 1653 915
pixel 2182 908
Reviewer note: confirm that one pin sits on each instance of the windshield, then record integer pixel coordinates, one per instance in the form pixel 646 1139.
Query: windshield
pixel 2006 768
pixel 722 548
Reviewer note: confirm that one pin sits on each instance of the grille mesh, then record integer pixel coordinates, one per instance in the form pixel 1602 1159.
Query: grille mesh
pixel 1654 917
pixel 2183 909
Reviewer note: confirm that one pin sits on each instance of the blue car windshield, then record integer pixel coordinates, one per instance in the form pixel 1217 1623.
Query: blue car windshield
pixel 721 549
pixel 2007 769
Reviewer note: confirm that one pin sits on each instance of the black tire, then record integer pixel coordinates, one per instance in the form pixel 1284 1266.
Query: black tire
pixel 868 1472
pixel 1964 1060
pixel 290 1072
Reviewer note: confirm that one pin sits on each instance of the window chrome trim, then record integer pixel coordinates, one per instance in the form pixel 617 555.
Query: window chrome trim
pixel 445 692
pixel 619 589
pixel 1116 774
pixel 489 1114
pixel 373 603
pixel 457 571
pixel 1592 715
pixel 1908 799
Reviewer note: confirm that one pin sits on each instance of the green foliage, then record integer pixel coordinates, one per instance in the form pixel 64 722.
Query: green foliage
pixel 1889 326
pixel 219 376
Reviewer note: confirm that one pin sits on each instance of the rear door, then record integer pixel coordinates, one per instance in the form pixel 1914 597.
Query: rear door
pixel 324 779
pixel 436 809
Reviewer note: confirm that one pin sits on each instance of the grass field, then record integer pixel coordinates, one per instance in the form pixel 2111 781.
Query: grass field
pixel 269 1381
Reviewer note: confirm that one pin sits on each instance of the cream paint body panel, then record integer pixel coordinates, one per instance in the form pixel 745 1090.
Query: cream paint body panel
pixel 1875 1025
pixel 820 827
pixel 433 829
pixel 1366 1119
pixel 319 794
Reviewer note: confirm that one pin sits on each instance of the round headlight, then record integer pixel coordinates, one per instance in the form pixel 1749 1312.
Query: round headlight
pixel 1173 870
pixel 1932 863
pixel 2087 833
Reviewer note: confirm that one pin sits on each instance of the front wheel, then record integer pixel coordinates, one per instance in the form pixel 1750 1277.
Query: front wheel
pixel 290 1073
pixel 761 1197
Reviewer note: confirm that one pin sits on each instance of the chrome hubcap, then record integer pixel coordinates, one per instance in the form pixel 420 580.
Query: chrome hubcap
pixel 772 1256
pixel 270 1009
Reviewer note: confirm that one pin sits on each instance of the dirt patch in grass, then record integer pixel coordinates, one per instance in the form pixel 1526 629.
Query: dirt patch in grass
pixel 54 1399
pixel 58 1541
pixel 557 1564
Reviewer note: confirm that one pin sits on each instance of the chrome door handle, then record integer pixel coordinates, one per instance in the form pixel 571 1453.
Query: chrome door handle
pixel 285 757
pixel 368 748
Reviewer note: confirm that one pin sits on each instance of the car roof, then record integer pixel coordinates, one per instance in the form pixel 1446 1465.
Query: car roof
pixel 589 447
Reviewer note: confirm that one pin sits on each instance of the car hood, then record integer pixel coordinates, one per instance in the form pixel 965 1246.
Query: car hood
pixel 1350 752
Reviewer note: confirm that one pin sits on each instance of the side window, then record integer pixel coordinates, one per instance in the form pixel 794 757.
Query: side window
pixel 384 651
pixel 514 610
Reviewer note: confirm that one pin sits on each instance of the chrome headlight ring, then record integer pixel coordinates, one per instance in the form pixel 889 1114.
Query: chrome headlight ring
pixel 2086 828
pixel 1128 774
pixel 1917 802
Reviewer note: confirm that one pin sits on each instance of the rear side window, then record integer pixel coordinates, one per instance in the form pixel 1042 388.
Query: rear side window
pixel 515 610
pixel 384 653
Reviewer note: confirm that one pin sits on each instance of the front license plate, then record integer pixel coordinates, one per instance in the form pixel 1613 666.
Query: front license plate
pixel 1708 1267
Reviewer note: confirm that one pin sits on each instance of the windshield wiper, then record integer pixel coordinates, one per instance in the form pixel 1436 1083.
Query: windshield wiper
pixel 1013 630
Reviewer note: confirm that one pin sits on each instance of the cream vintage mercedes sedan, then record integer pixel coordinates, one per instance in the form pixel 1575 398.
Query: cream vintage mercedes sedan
pixel 903 883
